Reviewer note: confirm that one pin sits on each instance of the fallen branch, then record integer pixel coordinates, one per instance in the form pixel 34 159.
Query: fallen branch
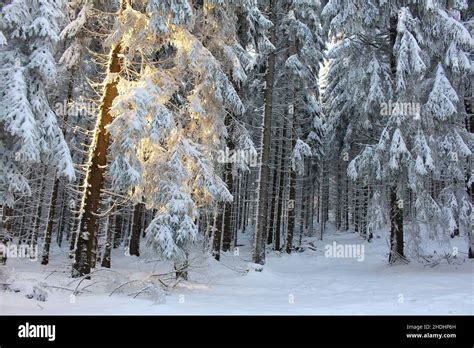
pixel 122 285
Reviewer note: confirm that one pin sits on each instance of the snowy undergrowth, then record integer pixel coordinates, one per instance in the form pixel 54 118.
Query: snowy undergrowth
pixel 307 282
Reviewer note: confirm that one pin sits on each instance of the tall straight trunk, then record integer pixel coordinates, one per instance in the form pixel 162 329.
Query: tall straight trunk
pixel 311 208
pixel 357 208
pixel 318 202
pixel 227 211
pixel 396 227
pixel 217 231
pixel 106 259
pixel 261 223
pixel 364 206
pixel 370 235
pixel 324 204
pixel 73 239
pixel 470 128
pixel 244 203
pixel 396 206
pixel 281 191
pixel 118 229
pixel 237 209
pixel 49 228
pixel 302 209
pixel 224 219
pixel 134 246
pixel 326 196
pixel 339 207
pixel 5 228
pixel 291 137
pixel 54 195
pixel 275 187
pixel 94 181
pixel 346 205
pixel 42 192
pixel 60 216
pixel 22 217
pixel 75 215
pixel 309 200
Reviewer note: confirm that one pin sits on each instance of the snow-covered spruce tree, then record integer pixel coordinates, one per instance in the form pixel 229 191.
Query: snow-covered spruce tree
pixel 300 31
pixel 225 30
pixel 416 146
pixel 253 31
pixel 97 161
pixel 29 131
pixel 75 66
pixel 356 81
pixel 168 122
pixel 444 113
pixel 467 15
pixel 82 66
pixel 261 210
pixel 290 102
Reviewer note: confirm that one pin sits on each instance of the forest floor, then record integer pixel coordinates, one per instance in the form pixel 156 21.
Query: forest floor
pixel 305 282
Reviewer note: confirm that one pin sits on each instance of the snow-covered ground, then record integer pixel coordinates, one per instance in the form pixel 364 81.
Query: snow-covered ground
pixel 301 283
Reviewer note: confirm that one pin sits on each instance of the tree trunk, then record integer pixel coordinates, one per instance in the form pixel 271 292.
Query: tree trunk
pixel 106 259
pixel 261 223
pixel 94 181
pixel 339 207
pixel 396 205
pixel 470 128
pixel 357 207
pixel 291 136
pixel 54 195
pixel 5 228
pixel 49 229
pixel 346 205
pixel 227 209
pixel 281 191
pixel 37 217
pixel 276 190
pixel 217 232
pixel 118 229
pixel 134 246
pixel 396 227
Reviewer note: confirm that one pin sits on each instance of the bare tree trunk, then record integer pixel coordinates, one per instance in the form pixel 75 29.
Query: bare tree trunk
pixel 324 199
pixel 217 232
pixel 261 223
pixel 357 208
pixel 276 189
pixel 346 205
pixel 470 128
pixel 134 246
pixel 54 195
pixel 94 181
pixel 396 227
pixel 396 206
pixel 291 136
pixel 339 207
pixel 118 229
pixel 49 229
pixel 42 191
pixel 227 211
pixel 106 259
pixel 5 228
pixel 281 191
